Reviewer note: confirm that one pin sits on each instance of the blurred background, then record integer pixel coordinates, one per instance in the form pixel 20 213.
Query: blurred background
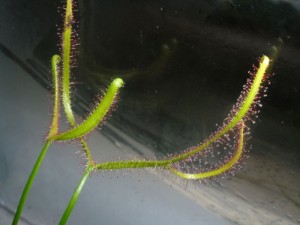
pixel 184 64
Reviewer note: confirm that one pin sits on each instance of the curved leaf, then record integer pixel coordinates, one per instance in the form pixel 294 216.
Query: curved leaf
pixel 55 73
pixel 227 166
pixel 96 116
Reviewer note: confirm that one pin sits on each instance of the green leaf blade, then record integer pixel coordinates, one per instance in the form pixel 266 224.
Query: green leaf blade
pixel 55 76
pixel 96 116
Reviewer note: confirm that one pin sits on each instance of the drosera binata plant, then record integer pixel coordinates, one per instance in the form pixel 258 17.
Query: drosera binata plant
pixel 185 164
pixel 61 90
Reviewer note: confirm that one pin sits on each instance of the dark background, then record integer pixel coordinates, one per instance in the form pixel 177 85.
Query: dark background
pixel 184 64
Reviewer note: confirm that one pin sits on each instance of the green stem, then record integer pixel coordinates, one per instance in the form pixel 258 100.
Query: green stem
pixel 30 181
pixel 75 196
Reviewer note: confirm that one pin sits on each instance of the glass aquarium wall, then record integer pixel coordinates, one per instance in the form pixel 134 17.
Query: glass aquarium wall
pixel 184 64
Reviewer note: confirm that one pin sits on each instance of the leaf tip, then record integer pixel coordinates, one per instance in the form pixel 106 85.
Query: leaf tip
pixel 118 82
pixel 265 60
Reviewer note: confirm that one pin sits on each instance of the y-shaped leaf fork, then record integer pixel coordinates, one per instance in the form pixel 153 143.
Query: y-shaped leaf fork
pixel 239 115
pixel 78 130
pixel 97 115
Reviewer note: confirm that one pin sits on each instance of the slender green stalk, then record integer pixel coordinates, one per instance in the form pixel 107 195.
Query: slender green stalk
pixel 29 182
pixel 52 132
pixel 75 196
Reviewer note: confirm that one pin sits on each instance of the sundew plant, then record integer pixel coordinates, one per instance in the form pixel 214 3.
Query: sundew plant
pixel 187 164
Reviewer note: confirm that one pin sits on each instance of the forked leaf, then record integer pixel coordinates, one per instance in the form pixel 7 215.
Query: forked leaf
pixel 242 111
pixel 238 117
